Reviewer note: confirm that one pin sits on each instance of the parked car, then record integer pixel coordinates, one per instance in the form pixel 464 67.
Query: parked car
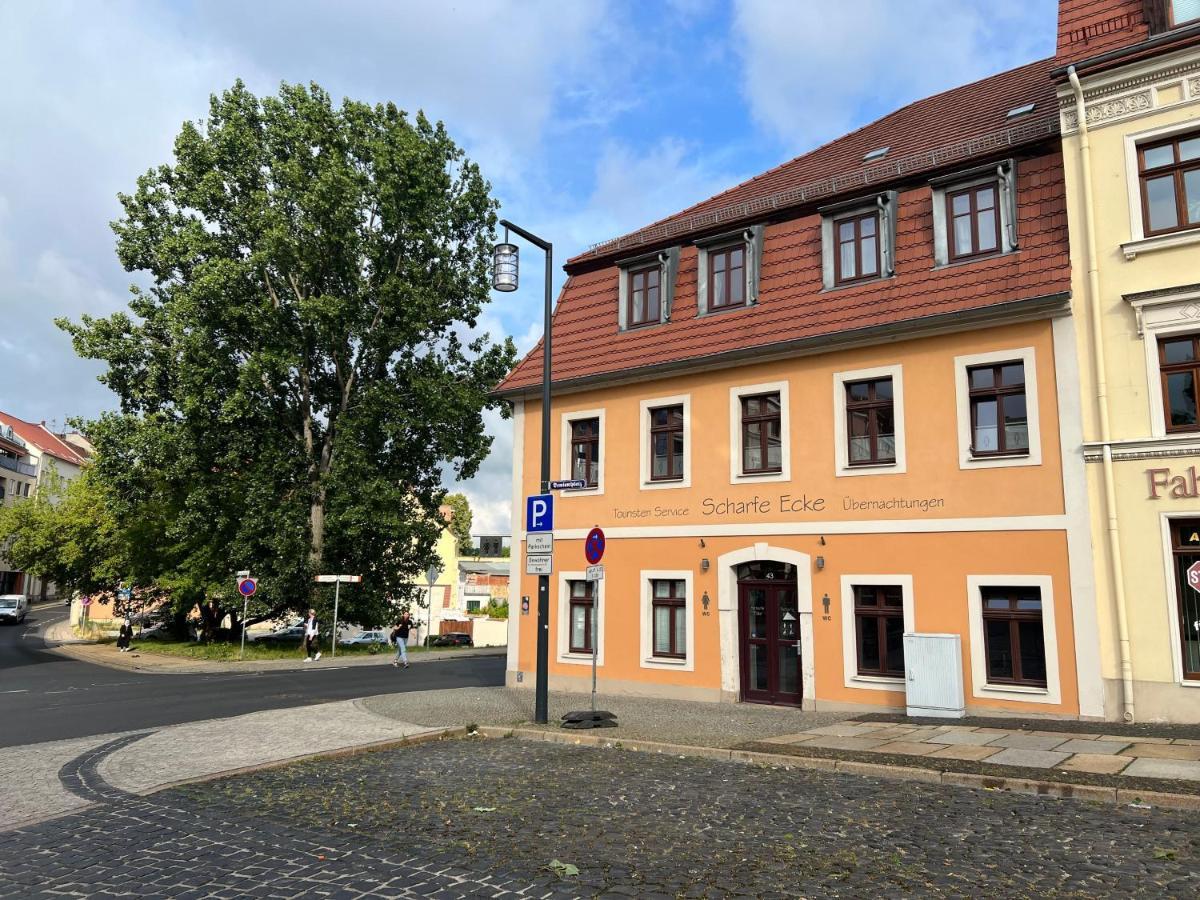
pixel 452 639
pixel 292 635
pixel 13 607
pixel 365 637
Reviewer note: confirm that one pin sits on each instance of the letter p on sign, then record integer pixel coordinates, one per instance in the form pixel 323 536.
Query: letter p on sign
pixel 539 512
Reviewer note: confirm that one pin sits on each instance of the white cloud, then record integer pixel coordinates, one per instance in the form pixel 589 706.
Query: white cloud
pixel 814 71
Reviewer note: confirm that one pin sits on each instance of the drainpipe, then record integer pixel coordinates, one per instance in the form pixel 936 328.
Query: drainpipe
pixel 1116 568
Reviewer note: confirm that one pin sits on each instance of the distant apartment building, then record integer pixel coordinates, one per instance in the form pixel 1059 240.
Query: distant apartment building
pixel 29 453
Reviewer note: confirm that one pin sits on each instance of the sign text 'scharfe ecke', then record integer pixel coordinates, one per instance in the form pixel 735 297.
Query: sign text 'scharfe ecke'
pixel 781 504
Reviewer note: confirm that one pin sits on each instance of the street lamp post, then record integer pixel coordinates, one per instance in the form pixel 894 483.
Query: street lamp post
pixel 504 278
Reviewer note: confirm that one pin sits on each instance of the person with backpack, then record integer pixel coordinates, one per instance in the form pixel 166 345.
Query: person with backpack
pixel 399 637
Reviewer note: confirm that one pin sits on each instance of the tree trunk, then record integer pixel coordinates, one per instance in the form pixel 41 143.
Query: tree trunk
pixel 316 520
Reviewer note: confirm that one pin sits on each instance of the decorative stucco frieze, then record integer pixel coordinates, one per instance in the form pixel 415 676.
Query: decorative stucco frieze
pixel 1194 88
pixel 1118 107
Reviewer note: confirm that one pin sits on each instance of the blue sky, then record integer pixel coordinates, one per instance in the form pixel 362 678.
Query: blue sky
pixel 589 118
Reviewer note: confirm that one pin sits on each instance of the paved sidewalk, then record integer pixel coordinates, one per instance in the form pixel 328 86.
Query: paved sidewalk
pixel 61 639
pixel 31 786
pixel 1093 753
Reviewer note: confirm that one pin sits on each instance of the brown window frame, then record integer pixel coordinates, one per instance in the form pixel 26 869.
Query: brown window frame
pixel 1166 369
pixel 762 422
pixel 880 613
pixel 952 253
pixel 857 220
pixel 871 406
pixel 669 430
pixel 678 607
pixel 588 603
pixel 1014 617
pixel 998 392
pixel 1178 548
pixel 726 253
pixel 1177 169
pixel 592 445
pixel 643 274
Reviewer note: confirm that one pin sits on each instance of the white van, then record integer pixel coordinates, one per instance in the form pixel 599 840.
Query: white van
pixel 13 607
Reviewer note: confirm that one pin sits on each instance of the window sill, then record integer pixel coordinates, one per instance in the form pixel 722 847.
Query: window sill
pixel 845 470
pixel 1189 683
pixel 984 457
pixel 756 477
pixel 580 659
pixel 595 490
pixel 849 285
pixel 876 682
pixel 969 260
pixel 1015 689
pixel 724 309
pixel 1131 249
pixel 670 662
pixel 666 484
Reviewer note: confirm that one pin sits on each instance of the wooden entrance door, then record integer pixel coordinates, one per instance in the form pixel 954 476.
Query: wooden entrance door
pixel 769 627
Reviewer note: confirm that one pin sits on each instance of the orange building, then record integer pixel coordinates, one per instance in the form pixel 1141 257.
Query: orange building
pixel 832 406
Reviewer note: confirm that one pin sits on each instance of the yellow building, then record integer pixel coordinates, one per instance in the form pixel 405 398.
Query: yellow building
pixel 1129 93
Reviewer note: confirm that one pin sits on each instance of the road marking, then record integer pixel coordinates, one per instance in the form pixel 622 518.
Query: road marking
pixel 21 691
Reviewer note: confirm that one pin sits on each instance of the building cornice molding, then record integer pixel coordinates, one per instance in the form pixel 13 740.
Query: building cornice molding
pixel 1115 97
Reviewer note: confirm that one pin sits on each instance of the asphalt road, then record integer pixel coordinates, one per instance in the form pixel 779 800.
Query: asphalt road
pixel 47 697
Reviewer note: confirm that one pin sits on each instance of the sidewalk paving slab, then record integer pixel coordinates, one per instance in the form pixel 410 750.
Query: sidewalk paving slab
pixel 1092 747
pixel 1028 741
pixel 965 751
pixel 1027 759
pixel 1164 751
pixel 1095 763
pixel 1149 767
pixel 961 737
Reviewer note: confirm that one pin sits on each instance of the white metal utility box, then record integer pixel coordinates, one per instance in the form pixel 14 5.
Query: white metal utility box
pixel 933 675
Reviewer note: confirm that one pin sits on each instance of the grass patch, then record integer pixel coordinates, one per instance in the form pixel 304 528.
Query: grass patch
pixel 228 651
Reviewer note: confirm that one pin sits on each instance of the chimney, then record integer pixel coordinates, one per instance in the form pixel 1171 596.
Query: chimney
pixel 1087 28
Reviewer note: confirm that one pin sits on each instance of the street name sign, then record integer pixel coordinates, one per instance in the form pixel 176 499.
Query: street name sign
pixel 595 573
pixel 572 484
pixel 540 543
pixel 539 512
pixel 539 565
pixel 344 579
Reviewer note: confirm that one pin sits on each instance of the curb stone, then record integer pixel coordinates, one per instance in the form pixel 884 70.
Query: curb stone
pixel 1054 789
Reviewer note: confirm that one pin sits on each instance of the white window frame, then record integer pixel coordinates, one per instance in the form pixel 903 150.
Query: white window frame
pixel 648 659
pixel 849 631
pixel 736 475
pixel 1138 242
pixel 1006 187
pixel 684 400
pixel 564 457
pixel 841 439
pixel 1158 318
pixel 564 622
pixel 1172 591
pixel 980 687
pixel 962 394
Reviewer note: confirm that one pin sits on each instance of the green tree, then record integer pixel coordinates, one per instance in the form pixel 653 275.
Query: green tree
pixel 460 520
pixel 67 533
pixel 305 358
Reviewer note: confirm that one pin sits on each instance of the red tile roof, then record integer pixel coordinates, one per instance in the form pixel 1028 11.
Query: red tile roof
pixel 43 438
pixel 1087 28
pixel 793 306
pixel 944 130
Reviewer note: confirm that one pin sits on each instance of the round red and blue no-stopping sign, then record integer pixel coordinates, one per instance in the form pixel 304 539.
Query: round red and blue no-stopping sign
pixel 247 587
pixel 593 547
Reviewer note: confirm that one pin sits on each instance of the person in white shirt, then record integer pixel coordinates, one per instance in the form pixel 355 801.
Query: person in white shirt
pixel 311 632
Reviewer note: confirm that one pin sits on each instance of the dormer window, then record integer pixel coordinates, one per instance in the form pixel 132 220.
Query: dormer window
pixel 646 288
pixel 645 300
pixel 858 240
pixel 974 213
pixel 728 269
pixel 727 276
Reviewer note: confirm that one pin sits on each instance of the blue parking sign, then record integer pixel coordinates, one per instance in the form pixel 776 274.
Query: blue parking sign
pixel 539 512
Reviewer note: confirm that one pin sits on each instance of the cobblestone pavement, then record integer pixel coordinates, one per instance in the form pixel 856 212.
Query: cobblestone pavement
pixel 482 817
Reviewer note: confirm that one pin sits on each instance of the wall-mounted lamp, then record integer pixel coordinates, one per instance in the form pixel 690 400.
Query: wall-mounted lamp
pixel 704 601
pixel 825 603
pixel 820 563
pixel 704 565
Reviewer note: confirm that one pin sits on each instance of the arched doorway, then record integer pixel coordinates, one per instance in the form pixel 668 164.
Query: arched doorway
pixel 769 633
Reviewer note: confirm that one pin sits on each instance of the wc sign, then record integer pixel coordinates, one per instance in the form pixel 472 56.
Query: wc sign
pixel 539 512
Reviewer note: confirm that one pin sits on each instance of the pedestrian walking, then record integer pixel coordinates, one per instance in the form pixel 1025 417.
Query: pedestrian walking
pixel 125 635
pixel 312 631
pixel 400 639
